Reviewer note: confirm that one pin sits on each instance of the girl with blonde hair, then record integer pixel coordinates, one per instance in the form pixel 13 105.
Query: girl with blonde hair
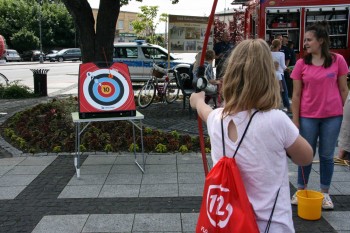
pixel 250 85
pixel 279 56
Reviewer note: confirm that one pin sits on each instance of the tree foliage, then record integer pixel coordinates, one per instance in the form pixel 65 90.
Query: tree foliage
pixel 21 17
pixel 144 25
pixel 59 27
pixel 24 39
pixel 97 45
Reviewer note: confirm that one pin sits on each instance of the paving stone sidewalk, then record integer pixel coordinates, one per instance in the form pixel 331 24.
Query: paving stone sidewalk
pixel 42 193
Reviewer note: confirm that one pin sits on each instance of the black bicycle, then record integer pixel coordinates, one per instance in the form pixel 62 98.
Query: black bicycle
pixel 3 80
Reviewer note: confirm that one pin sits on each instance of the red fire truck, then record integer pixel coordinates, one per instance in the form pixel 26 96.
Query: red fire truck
pixel 266 18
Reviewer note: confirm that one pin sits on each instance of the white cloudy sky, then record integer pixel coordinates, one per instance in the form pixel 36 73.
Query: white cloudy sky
pixel 184 7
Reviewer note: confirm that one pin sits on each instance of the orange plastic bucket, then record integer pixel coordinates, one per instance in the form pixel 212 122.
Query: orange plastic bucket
pixel 309 204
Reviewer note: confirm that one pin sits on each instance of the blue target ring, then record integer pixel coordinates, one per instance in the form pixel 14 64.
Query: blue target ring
pixel 103 100
pixel 96 87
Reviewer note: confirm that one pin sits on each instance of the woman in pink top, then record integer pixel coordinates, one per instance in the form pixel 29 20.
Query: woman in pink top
pixel 319 94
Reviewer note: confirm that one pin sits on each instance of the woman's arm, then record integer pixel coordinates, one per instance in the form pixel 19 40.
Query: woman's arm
pixel 343 87
pixel 300 152
pixel 283 61
pixel 281 86
pixel 296 97
pixel 197 102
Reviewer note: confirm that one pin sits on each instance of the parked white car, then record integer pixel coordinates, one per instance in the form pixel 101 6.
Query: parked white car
pixel 12 55
pixel 139 56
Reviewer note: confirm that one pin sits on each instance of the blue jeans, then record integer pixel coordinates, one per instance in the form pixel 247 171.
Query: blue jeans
pixel 326 130
pixel 284 94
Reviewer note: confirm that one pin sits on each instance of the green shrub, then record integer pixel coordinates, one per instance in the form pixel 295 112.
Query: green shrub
pixel 56 149
pixel 9 132
pixel 21 143
pixel 183 149
pixel 148 130
pixel 195 139
pixel 82 148
pixel 14 137
pixel 175 134
pixel 32 150
pixel 133 147
pixel 15 91
pixel 108 148
pixel 161 148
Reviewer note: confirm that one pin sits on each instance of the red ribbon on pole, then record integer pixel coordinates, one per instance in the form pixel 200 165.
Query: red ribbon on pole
pixel 200 125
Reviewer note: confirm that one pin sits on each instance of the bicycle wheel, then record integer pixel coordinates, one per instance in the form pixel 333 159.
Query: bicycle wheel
pixel 146 95
pixel 3 80
pixel 171 91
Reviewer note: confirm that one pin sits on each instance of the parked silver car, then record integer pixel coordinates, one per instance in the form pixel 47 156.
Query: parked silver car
pixel 12 55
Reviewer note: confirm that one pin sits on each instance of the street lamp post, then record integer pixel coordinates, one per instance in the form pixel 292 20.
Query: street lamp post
pixel 41 59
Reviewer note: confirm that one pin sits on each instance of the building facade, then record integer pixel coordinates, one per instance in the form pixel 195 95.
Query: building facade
pixel 124 29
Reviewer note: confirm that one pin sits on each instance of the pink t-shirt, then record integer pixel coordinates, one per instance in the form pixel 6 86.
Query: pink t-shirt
pixel 320 96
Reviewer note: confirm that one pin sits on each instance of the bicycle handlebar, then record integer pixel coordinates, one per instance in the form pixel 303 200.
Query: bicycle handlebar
pixel 159 69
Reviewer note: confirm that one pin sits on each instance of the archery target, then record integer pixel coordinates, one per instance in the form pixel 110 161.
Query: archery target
pixel 106 89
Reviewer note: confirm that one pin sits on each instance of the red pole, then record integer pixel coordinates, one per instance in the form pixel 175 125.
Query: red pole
pixel 2 45
pixel 200 126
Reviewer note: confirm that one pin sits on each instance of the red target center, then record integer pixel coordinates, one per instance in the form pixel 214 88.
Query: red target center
pixel 106 89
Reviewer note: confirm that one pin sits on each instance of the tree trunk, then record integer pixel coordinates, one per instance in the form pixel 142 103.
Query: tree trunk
pixel 105 29
pixel 95 46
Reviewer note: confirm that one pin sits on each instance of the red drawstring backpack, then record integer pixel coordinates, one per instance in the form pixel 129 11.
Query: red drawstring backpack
pixel 225 206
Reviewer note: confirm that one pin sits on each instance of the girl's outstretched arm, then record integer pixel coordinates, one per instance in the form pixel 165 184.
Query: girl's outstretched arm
pixel 197 102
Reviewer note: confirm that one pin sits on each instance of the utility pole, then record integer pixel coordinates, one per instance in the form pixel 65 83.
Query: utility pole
pixel 41 59
pixel 166 33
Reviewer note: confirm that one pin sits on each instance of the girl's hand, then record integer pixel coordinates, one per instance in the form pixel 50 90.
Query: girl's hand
pixel 197 102
pixel 197 98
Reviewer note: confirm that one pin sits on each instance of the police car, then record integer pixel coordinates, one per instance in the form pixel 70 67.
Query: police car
pixel 140 56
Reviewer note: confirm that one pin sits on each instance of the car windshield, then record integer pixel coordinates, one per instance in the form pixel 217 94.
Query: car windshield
pixel 12 52
pixel 61 52
pixel 173 56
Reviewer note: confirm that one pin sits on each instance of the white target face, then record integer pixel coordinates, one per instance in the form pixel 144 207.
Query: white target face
pixel 105 89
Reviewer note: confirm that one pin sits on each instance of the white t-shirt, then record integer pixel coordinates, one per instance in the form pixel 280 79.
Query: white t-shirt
pixel 262 161
pixel 278 75
pixel 280 58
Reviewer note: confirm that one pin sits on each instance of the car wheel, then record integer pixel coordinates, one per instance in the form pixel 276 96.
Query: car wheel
pixel 60 59
pixel 184 74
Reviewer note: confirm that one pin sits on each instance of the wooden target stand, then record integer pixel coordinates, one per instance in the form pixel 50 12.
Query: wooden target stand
pixel 105 94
